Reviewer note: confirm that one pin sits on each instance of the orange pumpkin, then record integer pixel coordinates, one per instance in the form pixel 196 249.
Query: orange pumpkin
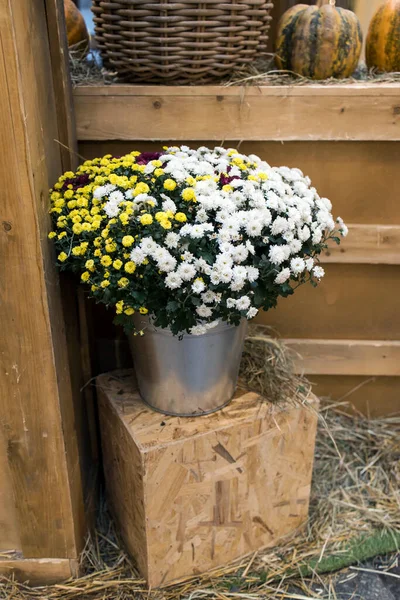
pixel 382 49
pixel 77 32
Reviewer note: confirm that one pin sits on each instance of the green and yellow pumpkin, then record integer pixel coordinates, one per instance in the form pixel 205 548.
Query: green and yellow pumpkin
pixel 382 50
pixel 319 41
pixel 77 32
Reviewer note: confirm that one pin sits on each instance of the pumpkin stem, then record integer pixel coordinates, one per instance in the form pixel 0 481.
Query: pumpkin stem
pixel 322 2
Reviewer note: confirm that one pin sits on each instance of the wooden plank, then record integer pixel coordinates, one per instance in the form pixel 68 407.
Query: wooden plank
pixel 346 357
pixel 367 244
pixel 283 113
pixel 353 175
pixel 62 83
pixel 36 397
pixel 203 492
pixel 9 534
pixel 39 571
pixel 78 321
pixel 356 302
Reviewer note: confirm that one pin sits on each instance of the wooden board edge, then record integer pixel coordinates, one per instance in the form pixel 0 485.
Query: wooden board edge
pixel 346 357
pixel 39 571
pixel 354 89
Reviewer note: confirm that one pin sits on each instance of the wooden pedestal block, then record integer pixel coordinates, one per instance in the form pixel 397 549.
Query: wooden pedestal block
pixel 191 494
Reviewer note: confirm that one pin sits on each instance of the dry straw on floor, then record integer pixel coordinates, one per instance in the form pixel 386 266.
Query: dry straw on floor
pixel 354 513
pixel 262 72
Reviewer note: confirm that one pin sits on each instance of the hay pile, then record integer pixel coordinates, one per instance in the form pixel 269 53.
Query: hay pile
pixel 354 514
pixel 88 71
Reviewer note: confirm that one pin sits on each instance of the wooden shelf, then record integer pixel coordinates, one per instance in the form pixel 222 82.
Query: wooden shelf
pixel 346 357
pixel 367 244
pixel 351 112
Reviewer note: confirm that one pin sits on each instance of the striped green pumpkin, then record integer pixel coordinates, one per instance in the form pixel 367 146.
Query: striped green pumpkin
pixel 319 41
pixel 382 49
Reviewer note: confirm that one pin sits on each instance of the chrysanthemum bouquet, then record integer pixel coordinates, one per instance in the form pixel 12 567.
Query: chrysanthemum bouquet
pixel 192 237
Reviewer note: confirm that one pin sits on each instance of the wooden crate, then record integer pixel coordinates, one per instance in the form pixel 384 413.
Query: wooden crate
pixel 190 494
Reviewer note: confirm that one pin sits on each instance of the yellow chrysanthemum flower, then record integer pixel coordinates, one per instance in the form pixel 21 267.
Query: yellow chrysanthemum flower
pixel 130 267
pixel 77 228
pixel 146 219
pixel 143 310
pixel 188 194
pixel 52 235
pixel 106 260
pixel 77 251
pixel 123 282
pixel 89 264
pixel 119 307
pixel 170 185
pixel 85 276
pixel 129 311
pixel 117 264
pixel 128 240
pixel 105 283
pixel 165 224
pixel 181 217
pixel 141 188
pixel 61 235
pixel 62 257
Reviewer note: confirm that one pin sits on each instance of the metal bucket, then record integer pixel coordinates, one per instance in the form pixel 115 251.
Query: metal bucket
pixel 188 376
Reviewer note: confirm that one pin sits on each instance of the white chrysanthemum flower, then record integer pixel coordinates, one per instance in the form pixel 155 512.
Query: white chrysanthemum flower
pixel 317 236
pixel 198 286
pixel 204 311
pixel 169 205
pixel 318 272
pixel 283 276
pixel 254 228
pixel 188 257
pixel 103 190
pixel 236 285
pixel 226 275
pixel 280 225
pixel 172 240
pixel 251 313
pixel 201 215
pixel 309 263
pixel 148 245
pixel 295 246
pixel 243 303
pixel 342 227
pixel 239 273
pixel 198 330
pixel 173 281
pixel 250 247
pixel 111 209
pixel 297 265
pixel 209 297
pixel 277 255
pixel 230 303
pixel 137 255
pixel 186 271
pixel 252 274
pixel 239 253
pixel 166 263
pixel 215 277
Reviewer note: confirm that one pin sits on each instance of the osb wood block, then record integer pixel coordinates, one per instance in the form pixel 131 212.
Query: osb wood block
pixel 191 494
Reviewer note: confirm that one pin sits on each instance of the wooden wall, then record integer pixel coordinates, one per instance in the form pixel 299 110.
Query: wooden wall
pixel 355 302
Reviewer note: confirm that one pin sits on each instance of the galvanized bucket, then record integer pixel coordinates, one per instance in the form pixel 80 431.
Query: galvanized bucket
pixel 189 376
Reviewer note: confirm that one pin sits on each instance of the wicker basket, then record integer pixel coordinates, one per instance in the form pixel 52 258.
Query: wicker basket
pixel 183 41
